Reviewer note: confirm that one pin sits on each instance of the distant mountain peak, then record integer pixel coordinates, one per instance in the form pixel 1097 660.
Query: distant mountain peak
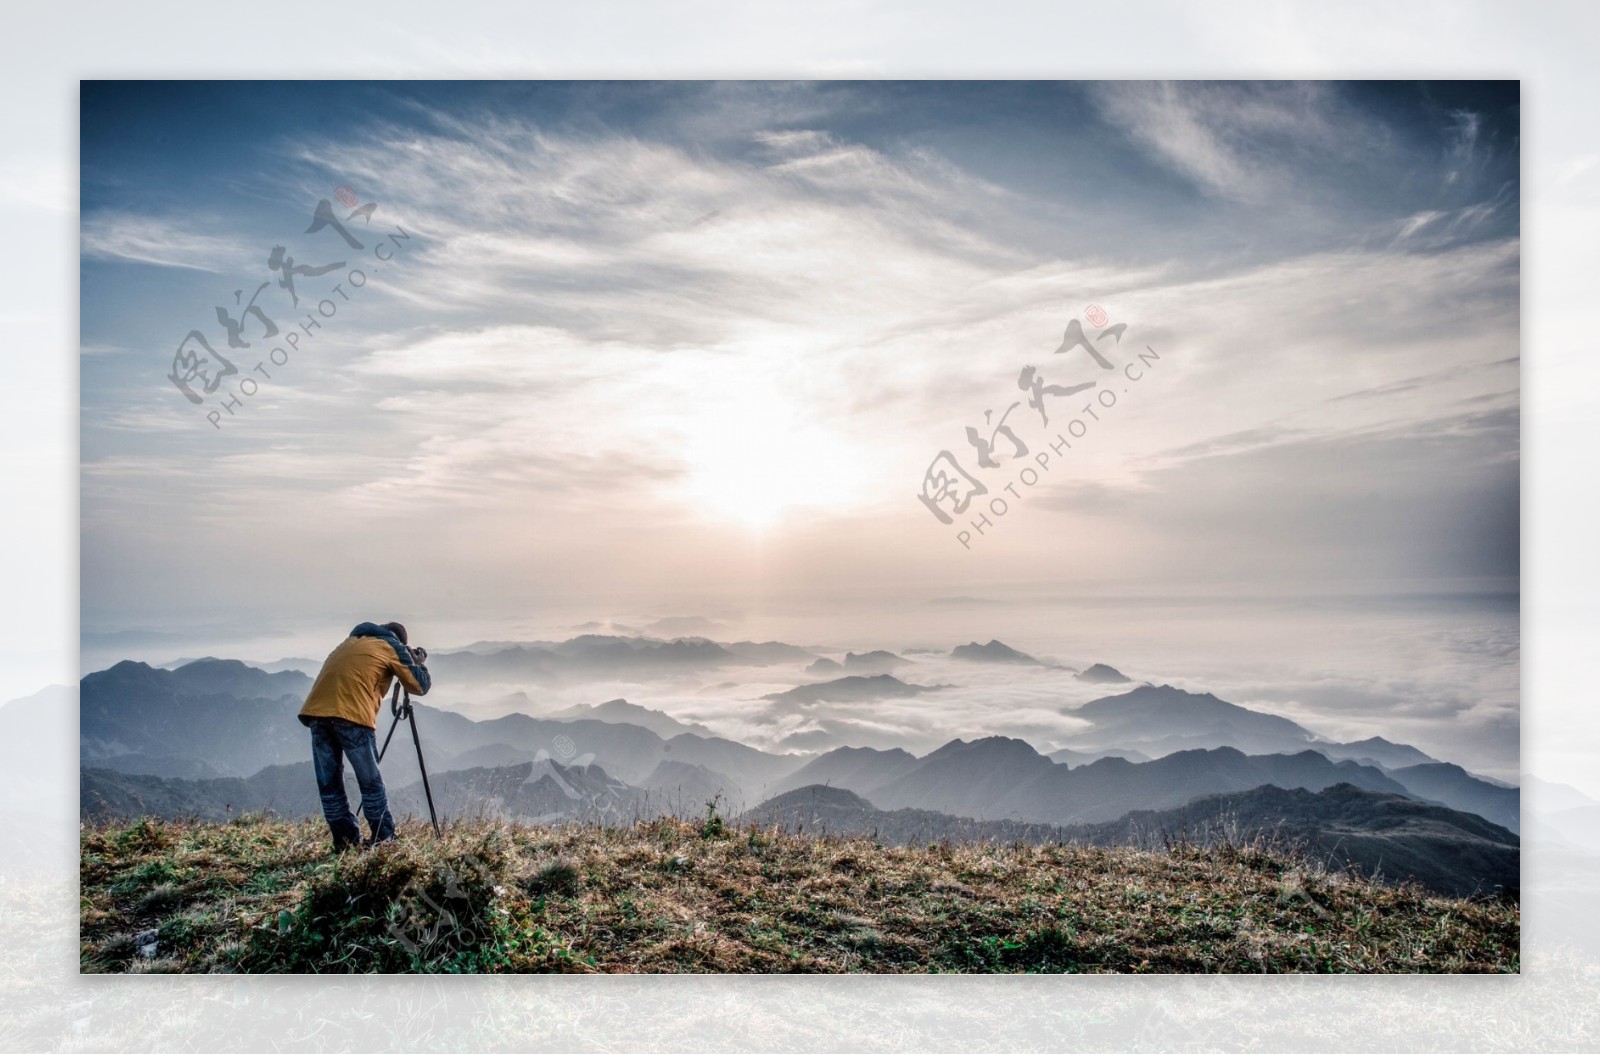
pixel 1384 752
pixel 1157 720
pixel 876 661
pixel 211 664
pixel 620 711
pixel 1073 757
pixel 817 795
pixel 127 665
pixel 987 745
pixel 850 688
pixel 1101 674
pixel 1164 693
pixel 995 651
pixel 685 625
pixel 201 677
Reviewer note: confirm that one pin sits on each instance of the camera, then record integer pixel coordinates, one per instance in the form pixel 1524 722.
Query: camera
pixel 420 654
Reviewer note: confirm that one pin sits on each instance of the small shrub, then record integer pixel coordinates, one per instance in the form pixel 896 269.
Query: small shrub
pixel 163 895
pixel 113 953
pixel 558 875
pixel 145 835
pixel 409 905
pixel 714 827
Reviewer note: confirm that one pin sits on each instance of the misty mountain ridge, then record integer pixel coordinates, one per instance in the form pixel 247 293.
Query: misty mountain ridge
pixel 1005 778
pixel 1453 786
pixel 225 717
pixel 1155 720
pixel 260 730
pixel 823 810
pixel 1161 719
pixel 995 652
pixel 1376 834
pixel 304 665
pixel 1452 852
pixel 1100 674
pixel 1153 749
pixel 1069 757
pixel 135 719
pixel 767 653
pixel 878 661
pixel 621 712
pixel 1376 749
pixel 228 677
pixel 848 767
pixel 850 689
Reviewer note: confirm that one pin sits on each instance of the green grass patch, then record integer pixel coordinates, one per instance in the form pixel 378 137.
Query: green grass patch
pixel 264 895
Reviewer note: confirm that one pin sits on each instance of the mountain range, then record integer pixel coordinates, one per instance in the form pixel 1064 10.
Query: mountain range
pixel 215 736
pixel 1452 852
pixel 211 717
pixel 1376 834
pixel 1004 778
pixel 823 810
pixel 137 719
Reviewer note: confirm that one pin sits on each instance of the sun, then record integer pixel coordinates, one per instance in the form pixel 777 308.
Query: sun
pixel 759 459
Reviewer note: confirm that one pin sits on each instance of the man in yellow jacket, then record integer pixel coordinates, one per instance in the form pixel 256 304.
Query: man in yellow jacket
pixel 341 711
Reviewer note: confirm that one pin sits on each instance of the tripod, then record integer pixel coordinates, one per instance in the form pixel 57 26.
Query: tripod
pixel 401 708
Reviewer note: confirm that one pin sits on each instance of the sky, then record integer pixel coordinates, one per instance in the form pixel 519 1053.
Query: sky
pixel 697 347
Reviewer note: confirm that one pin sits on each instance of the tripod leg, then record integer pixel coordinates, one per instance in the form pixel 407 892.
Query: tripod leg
pixel 394 708
pixel 426 790
pixel 386 739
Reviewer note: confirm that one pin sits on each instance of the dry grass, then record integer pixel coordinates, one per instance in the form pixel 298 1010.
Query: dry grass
pixel 669 896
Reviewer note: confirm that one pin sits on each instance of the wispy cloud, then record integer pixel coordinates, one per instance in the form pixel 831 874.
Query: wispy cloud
pixel 1241 141
pixel 747 323
pixel 161 241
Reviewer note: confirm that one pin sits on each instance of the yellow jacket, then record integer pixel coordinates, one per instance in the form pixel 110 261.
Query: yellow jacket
pixel 355 676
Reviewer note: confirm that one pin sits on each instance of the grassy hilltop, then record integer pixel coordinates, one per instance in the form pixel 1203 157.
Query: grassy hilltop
pixel 260 894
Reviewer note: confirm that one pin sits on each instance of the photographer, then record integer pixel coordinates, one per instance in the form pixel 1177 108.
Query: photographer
pixel 341 711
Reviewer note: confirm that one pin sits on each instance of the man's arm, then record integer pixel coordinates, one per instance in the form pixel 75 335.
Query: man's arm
pixel 407 664
pixel 411 669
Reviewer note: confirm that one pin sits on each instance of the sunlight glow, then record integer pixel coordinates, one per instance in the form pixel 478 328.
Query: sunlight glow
pixel 754 458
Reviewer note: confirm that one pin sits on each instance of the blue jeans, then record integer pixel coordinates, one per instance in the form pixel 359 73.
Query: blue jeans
pixel 332 741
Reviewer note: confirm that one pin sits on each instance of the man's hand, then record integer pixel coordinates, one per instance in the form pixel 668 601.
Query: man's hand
pixel 420 653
